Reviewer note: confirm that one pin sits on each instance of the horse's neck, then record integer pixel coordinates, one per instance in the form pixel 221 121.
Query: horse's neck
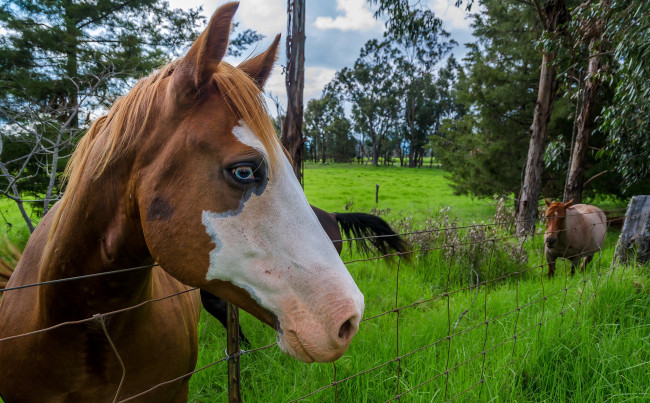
pixel 99 232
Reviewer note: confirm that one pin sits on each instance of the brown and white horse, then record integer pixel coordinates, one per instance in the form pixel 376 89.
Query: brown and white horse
pixel 185 170
pixel 573 232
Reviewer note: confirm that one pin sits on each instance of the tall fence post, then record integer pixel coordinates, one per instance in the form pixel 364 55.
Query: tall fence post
pixel 233 350
pixel 635 235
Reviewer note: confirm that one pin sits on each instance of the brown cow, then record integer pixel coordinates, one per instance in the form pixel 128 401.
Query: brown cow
pixel 572 232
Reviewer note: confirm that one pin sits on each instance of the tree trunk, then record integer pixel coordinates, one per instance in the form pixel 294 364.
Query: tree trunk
pixel 575 178
pixel 554 15
pixel 292 138
pixel 55 164
pixel 529 195
pixel 375 148
pixel 411 122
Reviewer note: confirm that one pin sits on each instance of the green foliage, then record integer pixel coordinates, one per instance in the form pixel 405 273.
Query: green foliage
pixel 485 150
pixel 626 120
pixel 55 50
pixel 62 63
pixel 328 130
pixel 371 88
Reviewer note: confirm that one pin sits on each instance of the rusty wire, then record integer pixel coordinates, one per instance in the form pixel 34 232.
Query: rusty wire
pixel 397 309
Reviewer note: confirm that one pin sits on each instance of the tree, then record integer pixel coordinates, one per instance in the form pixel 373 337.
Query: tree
pixel 625 121
pixel 419 49
pixel 592 29
pixel 553 17
pixel 328 129
pixel 61 64
pixel 371 88
pixel 484 150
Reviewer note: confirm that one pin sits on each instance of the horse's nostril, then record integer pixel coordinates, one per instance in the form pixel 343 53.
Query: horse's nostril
pixel 346 330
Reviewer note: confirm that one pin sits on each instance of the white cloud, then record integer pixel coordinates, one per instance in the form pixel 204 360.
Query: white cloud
pixel 268 17
pixel 315 80
pixel 357 17
pixel 452 16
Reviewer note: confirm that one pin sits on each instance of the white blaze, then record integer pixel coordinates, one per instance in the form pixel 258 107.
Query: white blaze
pixel 273 245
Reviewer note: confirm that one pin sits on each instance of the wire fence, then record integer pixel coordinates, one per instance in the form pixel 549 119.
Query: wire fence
pixel 469 261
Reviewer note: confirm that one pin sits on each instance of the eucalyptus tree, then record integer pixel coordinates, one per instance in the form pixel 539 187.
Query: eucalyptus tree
pixel 328 130
pixel 420 49
pixel 372 88
pixel 625 121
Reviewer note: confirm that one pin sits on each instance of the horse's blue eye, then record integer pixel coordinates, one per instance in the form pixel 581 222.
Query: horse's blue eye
pixel 244 173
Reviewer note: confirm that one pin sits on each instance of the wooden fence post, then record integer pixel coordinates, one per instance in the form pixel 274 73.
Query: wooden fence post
pixel 377 193
pixel 635 235
pixel 233 349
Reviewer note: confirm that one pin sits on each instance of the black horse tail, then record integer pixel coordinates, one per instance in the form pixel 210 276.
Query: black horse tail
pixel 369 231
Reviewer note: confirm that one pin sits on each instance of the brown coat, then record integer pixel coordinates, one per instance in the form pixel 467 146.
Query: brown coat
pixel 573 232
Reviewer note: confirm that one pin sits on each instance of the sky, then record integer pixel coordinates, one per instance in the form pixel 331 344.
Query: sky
pixel 336 30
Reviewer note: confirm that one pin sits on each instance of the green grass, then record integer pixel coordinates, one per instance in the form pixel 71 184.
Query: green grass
pixel 582 338
pixel 402 190
pixel 598 350
pixel 579 339
pixel 12 224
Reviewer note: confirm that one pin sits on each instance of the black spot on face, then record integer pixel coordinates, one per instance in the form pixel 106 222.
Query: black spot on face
pixel 160 209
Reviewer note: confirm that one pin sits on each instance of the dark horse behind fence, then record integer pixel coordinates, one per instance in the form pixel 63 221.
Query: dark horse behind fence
pixel 366 231
pixel 573 232
pixel 185 170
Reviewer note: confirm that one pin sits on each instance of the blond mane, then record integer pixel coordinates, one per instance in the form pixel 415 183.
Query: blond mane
pixel 129 118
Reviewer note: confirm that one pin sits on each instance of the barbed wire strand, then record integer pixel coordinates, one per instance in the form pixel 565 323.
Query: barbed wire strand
pixel 397 310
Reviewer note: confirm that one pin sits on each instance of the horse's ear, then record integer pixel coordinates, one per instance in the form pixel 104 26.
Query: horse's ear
pixel 203 58
pixel 259 68
pixel 567 204
pixel 548 203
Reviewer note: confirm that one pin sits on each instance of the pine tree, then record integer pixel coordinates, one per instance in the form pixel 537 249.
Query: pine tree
pixel 64 62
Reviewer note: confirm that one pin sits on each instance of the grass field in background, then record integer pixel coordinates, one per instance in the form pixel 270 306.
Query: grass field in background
pixel 597 350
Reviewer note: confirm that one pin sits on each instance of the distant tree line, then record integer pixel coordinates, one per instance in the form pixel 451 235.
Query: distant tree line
pixel 398 92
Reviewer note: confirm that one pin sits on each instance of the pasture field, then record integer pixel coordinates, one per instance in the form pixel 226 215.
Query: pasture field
pixel 521 337
pixel 584 338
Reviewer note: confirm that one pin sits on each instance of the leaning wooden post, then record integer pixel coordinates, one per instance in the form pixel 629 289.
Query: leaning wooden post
pixel 376 193
pixel 233 349
pixel 636 231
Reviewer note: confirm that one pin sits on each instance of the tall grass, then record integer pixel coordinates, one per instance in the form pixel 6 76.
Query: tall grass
pixel 584 338
pixel 471 315
pixel 529 326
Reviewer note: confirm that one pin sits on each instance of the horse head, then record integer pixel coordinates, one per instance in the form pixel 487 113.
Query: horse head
pixel 554 215
pixel 221 208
